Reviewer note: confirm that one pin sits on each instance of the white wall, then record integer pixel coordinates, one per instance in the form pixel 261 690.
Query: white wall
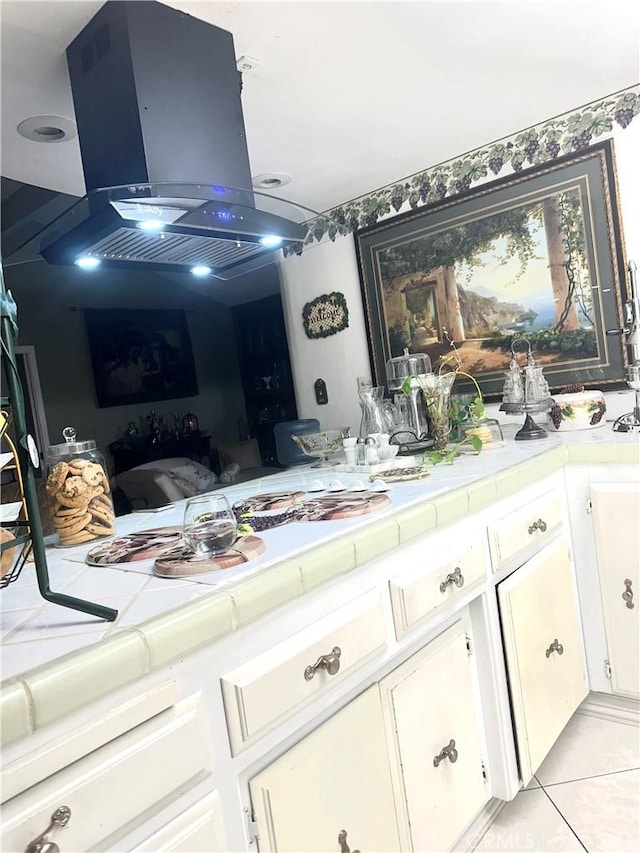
pixel 341 358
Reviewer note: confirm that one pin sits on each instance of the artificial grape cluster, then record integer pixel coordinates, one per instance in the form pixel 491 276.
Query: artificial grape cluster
pixel 582 140
pixel 396 202
pixel 552 148
pixel 530 149
pixel 495 164
pixel 596 417
pixel 573 388
pixel 556 415
pixel 423 191
pixel 463 184
pixel 441 190
pixel 623 117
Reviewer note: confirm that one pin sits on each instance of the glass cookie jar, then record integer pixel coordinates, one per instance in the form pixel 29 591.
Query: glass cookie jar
pixel 78 491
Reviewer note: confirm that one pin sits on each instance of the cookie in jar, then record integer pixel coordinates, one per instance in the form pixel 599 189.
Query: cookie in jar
pixel 78 491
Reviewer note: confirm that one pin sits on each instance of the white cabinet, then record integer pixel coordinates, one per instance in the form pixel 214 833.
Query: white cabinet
pixel 437 743
pixel 114 788
pixel 337 780
pixel 616 528
pixel 271 686
pixel 431 583
pixel 543 645
pixel 197 830
pixel 529 527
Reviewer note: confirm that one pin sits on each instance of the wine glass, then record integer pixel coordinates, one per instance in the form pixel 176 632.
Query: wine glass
pixel 210 526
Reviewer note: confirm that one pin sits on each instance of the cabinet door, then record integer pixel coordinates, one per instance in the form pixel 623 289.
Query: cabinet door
pixel 337 780
pixel 542 638
pixel 432 704
pixel 616 523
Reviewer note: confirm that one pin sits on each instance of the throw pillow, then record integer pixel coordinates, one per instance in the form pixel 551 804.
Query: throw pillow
pixel 230 473
pixel 193 479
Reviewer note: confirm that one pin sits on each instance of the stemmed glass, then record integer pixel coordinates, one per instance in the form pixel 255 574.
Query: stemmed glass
pixel 210 526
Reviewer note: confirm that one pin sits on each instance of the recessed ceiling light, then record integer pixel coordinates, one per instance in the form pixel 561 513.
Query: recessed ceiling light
pixel 271 180
pixel 48 129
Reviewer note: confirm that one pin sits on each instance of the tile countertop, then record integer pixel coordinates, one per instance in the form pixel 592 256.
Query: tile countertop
pixel 54 659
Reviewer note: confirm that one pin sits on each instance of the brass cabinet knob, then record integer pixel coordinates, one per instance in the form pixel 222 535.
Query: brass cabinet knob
pixel 627 595
pixel 329 663
pixel 42 844
pixel 449 751
pixel 555 647
pixel 538 525
pixel 455 577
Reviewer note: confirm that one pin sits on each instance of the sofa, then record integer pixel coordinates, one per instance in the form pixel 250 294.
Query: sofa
pixel 163 481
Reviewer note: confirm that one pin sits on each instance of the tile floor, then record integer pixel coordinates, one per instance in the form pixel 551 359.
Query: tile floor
pixel 585 796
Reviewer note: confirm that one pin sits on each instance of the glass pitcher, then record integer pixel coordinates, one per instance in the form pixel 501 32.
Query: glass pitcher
pixel 377 413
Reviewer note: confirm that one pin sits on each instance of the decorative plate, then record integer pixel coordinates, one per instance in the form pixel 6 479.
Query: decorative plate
pixel 401 475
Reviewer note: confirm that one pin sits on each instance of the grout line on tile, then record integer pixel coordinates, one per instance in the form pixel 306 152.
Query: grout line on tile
pixel 593 776
pixel 31 705
pixel 565 820
pixel 145 645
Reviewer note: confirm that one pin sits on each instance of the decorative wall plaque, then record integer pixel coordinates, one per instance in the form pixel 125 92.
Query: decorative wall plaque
pixel 326 315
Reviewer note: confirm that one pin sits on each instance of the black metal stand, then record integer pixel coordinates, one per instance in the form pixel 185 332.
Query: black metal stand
pixel 530 430
pixel 14 401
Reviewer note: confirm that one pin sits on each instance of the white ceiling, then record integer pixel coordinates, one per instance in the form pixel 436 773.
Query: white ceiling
pixel 348 96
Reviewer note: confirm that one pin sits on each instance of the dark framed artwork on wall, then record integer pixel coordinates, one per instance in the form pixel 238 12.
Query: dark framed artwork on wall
pixel 140 356
pixel 538 255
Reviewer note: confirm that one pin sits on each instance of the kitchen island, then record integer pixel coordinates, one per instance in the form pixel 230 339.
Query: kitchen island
pixel 217 651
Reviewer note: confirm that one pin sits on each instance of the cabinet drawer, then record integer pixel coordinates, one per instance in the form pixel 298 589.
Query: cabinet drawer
pixel 197 830
pixel 542 637
pixel 525 527
pixel 418 591
pixel 117 786
pixel 263 692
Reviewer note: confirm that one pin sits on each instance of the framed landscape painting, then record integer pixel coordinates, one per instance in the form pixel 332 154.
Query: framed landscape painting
pixel 537 255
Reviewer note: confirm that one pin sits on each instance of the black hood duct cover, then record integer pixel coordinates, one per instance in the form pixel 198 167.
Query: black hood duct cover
pixel 157 102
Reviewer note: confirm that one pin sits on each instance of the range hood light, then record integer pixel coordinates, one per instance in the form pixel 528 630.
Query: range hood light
pixel 151 225
pixel 201 270
pixel 87 262
pixel 271 240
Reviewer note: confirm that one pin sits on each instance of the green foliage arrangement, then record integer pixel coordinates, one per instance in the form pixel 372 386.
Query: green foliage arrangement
pixel 450 364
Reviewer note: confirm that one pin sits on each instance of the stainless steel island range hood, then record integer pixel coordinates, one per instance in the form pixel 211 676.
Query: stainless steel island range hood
pixel 157 101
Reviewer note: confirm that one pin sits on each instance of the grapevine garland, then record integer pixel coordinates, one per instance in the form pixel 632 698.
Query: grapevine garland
pixel 543 143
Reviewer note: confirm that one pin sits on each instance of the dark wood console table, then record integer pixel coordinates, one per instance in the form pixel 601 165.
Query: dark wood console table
pixel 130 454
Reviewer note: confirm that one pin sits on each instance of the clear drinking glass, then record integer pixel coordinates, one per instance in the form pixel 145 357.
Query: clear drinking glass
pixel 210 525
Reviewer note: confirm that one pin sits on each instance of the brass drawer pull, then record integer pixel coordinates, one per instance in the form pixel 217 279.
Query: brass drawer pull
pixel 42 844
pixel 554 647
pixel 627 595
pixel 538 525
pixel 455 577
pixel 449 751
pixel 342 841
pixel 330 663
